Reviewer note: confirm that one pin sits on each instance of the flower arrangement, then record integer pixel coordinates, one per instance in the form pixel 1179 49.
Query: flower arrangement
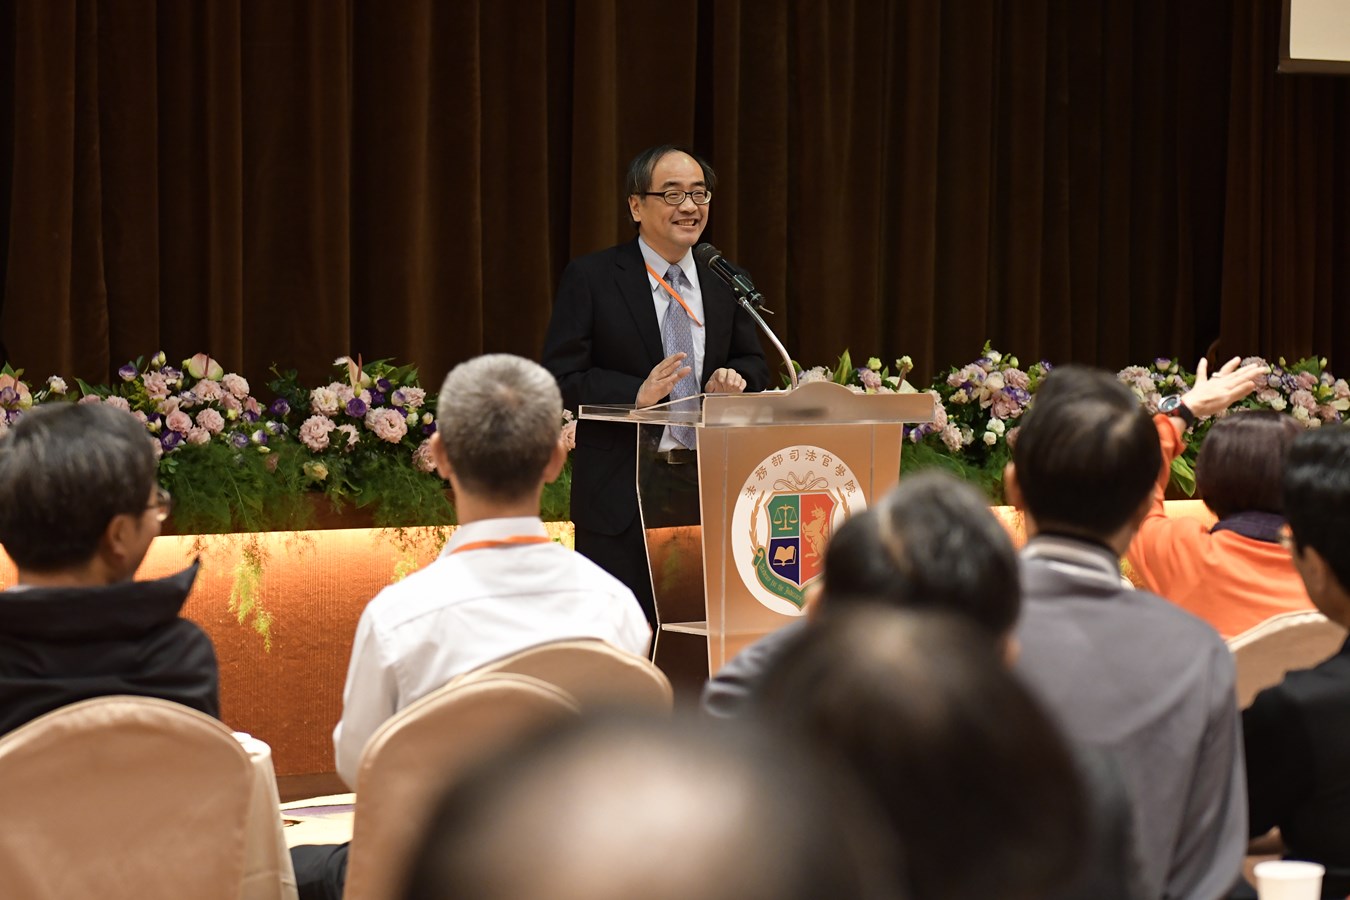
pixel 976 417
pixel 363 438
pixel 874 378
pixel 978 405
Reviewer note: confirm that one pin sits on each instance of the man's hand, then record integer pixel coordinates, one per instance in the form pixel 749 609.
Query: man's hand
pixel 1213 394
pixel 725 381
pixel 661 380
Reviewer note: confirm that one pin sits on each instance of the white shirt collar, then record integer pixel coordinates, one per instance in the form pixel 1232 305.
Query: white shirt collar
pixel 494 530
pixel 661 266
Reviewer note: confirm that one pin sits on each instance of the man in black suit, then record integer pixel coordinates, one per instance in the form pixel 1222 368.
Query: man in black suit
pixel 1297 734
pixel 642 323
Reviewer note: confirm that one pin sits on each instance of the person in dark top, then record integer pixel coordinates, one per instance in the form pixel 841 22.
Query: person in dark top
pixel 1297 734
pixel 79 506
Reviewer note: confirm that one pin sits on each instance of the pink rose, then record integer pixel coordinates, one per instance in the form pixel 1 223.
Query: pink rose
pixel 169 405
pixel 230 403
pixel 118 403
pixel 421 457
pixel 208 391
pixel 178 421
pixel 314 432
pixel 235 385
pixel 156 385
pixel 353 438
pixel 387 424
pixel 251 406
pixel 569 435
pixel 92 398
pixel 323 401
pixel 1016 378
pixel 198 435
pixel 1306 380
pixel 210 421
pixel 1303 400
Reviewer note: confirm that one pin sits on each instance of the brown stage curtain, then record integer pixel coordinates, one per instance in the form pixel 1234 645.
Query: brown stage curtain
pixel 286 182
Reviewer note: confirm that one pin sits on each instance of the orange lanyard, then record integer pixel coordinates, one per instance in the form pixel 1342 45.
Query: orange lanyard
pixel 671 291
pixel 514 541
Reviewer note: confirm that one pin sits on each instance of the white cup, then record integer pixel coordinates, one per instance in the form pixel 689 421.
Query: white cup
pixel 1287 879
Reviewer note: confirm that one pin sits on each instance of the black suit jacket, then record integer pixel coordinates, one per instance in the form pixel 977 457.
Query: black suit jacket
pixel 1297 739
pixel 602 343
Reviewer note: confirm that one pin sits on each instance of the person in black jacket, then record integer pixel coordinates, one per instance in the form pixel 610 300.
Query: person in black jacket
pixel 642 323
pixel 79 506
pixel 1297 733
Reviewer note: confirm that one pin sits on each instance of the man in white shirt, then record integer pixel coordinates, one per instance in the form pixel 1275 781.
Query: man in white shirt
pixel 499 586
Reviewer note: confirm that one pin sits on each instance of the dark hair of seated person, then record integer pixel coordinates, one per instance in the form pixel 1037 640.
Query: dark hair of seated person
pixel 931 542
pixel 1086 455
pixel 65 471
pixel 1241 462
pixel 979 785
pixel 612 808
pixel 1317 496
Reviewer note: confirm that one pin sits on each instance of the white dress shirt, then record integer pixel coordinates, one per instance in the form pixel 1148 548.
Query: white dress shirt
pixel 692 295
pixel 469 608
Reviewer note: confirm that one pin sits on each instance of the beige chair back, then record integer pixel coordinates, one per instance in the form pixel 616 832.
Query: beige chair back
pixel 595 673
pixel 123 797
pixel 1280 644
pixel 412 758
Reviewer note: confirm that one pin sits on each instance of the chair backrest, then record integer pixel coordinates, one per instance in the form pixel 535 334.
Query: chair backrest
pixel 123 796
pixel 595 673
pixel 1280 644
pixel 413 757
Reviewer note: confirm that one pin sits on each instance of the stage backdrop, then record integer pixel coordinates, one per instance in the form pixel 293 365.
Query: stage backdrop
pixel 285 182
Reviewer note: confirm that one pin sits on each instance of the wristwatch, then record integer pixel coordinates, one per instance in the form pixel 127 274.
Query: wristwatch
pixel 1172 406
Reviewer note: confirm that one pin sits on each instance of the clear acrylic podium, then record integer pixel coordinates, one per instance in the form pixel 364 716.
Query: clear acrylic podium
pixel 735 537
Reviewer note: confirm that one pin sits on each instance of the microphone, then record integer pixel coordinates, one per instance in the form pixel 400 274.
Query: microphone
pixel 750 299
pixel 735 277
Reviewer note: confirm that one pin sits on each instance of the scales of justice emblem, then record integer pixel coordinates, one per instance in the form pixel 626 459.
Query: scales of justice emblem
pixel 784 516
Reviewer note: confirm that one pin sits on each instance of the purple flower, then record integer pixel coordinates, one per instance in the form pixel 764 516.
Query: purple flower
pixel 279 407
pixel 127 372
pixel 383 385
pixel 170 439
pixel 172 375
pixel 259 437
pixel 250 416
pixel 275 428
pixel 376 398
pixel 356 408
pixel 8 396
pixel 429 429
pixel 239 439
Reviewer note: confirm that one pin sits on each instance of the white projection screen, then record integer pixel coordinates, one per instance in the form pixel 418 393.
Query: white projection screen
pixel 1315 37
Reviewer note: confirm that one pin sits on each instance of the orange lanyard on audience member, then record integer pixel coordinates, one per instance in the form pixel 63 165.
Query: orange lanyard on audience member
pixel 514 541
pixel 671 291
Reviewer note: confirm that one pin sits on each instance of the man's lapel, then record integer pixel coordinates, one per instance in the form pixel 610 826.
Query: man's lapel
pixel 630 275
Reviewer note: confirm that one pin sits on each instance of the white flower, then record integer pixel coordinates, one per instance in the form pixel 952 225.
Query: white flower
pixel 997 427
pixel 1279 404
pixel 990 439
pixel 1301 414
pixel 56 385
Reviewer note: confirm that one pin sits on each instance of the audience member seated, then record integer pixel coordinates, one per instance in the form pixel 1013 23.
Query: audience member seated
pixel 975 777
pixel 1234 575
pixel 499 586
pixel 79 506
pixel 613 809
pixel 1297 734
pixel 1124 670
pixel 931 542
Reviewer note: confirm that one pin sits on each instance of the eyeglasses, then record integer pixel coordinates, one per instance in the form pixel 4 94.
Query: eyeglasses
pixel 675 198
pixel 163 504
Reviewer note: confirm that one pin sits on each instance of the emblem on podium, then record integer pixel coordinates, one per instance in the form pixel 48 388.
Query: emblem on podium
pixel 785 513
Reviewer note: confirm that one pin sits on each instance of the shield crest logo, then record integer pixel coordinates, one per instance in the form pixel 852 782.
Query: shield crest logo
pixel 799 528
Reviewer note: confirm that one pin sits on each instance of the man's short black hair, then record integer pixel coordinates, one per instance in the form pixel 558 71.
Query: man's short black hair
pixel 1317 496
pixel 931 542
pixel 920 706
pixel 1086 455
pixel 65 471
